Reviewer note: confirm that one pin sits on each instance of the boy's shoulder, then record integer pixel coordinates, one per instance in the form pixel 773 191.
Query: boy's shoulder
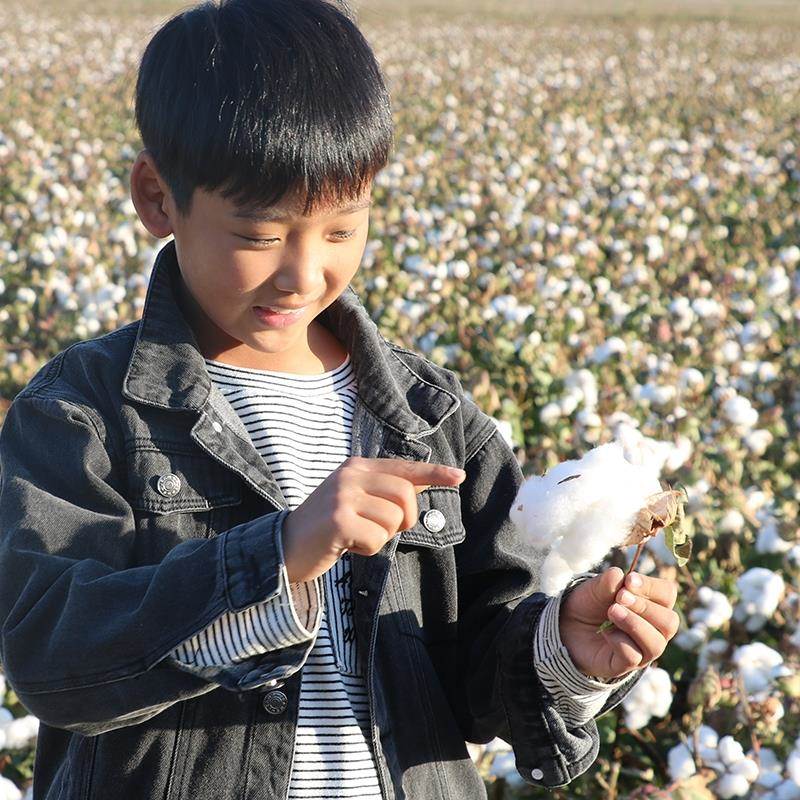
pixel 476 424
pixel 88 371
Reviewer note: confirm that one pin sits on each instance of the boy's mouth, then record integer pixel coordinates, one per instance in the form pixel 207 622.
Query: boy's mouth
pixel 268 316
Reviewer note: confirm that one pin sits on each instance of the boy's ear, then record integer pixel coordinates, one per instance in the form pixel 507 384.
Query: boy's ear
pixel 150 195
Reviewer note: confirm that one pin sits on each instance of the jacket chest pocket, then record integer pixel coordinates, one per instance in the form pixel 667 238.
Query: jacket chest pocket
pixel 439 522
pixel 167 481
pixel 177 493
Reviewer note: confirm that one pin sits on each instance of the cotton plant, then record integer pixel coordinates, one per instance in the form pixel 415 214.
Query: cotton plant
pixel 734 771
pixel 582 508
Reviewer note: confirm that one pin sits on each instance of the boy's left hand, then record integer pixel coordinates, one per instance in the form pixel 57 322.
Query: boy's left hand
pixel 641 633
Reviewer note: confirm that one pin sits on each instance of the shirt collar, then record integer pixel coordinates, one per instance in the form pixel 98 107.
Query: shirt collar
pixel 167 369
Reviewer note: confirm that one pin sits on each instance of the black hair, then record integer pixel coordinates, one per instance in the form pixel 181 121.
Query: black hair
pixel 262 98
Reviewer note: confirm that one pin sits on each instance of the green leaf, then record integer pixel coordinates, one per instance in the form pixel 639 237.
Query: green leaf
pixel 677 538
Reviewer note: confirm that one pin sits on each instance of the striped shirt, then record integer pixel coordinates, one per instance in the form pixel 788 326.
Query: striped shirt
pixel 301 425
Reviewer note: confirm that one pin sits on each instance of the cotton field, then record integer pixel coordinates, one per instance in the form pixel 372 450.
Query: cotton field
pixel 593 218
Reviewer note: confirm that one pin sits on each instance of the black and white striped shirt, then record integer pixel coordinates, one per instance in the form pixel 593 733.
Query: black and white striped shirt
pixel 301 425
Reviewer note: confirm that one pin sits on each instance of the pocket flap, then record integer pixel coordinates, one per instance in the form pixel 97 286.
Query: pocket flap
pixel 439 523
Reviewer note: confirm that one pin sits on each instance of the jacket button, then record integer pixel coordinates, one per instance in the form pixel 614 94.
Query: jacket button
pixel 275 702
pixel 433 520
pixel 537 774
pixel 216 426
pixel 169 485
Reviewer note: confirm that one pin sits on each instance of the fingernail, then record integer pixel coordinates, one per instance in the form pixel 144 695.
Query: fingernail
pixel 618 612
pixel 626 598
pixel 455 472
pixel 636 580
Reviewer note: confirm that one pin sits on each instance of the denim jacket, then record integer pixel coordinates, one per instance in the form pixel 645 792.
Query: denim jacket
pixel 102 574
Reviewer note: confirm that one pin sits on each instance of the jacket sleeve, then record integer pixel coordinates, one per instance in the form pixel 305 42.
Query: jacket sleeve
pixel 499 610
pixel 85 631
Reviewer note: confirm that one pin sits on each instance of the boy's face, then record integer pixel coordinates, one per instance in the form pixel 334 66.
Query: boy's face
pixel 230 263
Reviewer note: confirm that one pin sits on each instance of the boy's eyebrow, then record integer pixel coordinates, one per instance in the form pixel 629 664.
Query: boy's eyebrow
pixel 277 214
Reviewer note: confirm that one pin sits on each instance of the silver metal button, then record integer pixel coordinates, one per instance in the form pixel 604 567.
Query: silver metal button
pixel 537 774
pixel 275 702
pixel 169 485
pixel 433 520
pixel 216 426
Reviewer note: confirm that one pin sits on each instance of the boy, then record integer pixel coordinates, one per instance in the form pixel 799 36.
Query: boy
pixel 241 568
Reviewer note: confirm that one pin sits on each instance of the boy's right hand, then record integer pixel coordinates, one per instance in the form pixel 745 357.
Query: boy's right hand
pixel 358 507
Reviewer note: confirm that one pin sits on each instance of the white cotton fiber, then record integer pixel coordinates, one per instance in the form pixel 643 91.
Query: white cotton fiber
pixel 581 519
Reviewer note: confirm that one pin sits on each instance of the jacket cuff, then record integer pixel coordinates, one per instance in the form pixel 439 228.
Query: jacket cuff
pixel 251 560
pixel 271 625
pixel 549 750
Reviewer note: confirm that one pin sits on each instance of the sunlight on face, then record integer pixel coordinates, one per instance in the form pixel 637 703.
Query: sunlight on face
pixel 232 260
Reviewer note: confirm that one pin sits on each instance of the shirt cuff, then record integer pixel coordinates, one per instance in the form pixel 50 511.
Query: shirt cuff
pixel 578 697
pixel 290 617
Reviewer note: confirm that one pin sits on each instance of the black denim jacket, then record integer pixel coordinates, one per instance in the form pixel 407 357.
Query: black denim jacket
pixel 102 575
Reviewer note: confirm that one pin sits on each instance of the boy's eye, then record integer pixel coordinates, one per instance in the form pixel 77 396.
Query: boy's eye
pixel 341 235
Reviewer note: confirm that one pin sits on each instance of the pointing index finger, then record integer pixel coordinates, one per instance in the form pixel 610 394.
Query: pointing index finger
pixel 420 473
pixel 659 590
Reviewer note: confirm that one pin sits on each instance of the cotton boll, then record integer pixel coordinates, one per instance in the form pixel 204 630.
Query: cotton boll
pixel 793 763
pixel 769 539
pixel 19 732
pixel 715 609
pixel 758 665
pixel 712 654
pixel 8 791
pixel 732 522
pixel 550 414
pixel 650 697
pixel 506 431
pixel 731 785
pixel 581 518
pixel 680 762
pixel 761 590
pixel 739 412
pixel 769 774
pixel 730 751
pixel 758 441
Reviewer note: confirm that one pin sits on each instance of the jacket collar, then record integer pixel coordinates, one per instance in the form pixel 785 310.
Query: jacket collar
pixel 167 369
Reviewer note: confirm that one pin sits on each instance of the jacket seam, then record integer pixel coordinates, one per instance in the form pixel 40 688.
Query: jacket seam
pixel 482 438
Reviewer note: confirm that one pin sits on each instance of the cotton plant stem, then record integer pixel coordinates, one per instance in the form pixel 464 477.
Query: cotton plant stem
pixel 635 559
pixel 748 712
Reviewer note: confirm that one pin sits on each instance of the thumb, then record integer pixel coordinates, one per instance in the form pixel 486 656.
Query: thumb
pixel 589 601
pixel 605 586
